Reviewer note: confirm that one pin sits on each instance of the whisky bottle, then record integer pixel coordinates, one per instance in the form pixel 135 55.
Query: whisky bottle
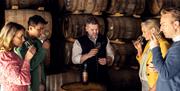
pixel 85 74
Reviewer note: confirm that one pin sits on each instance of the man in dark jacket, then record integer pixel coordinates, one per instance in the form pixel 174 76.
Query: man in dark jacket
pixel 35 26
pixel 95 51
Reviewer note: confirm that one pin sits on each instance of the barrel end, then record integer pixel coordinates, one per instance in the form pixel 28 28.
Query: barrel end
pixel 118 14
pixel 76 12
pixel 15 7
pixel 97 13
pixel 40 8
pixel 136 16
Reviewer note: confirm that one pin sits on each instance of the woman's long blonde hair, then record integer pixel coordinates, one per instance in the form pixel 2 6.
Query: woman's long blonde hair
pixel 7 33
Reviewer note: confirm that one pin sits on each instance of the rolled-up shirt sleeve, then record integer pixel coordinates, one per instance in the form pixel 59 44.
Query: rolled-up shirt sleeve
pixel 76 52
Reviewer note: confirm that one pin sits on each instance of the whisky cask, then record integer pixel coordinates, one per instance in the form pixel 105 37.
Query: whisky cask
pixel 85 6
pixel 155 6
pixel 26 3
pixel 126 7
pixel 22 16
pixel 74 25
pixel 123 28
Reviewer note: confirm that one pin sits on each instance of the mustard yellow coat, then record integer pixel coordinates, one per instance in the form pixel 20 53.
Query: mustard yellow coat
pixel 153 75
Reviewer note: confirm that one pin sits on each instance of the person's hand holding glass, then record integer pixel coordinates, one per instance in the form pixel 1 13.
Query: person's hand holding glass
pixel 138 44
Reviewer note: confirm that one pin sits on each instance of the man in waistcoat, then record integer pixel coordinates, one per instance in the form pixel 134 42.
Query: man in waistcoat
pixel 94 50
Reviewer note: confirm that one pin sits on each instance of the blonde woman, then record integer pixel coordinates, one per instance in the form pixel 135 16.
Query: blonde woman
pixel 147 73
pixel 14 72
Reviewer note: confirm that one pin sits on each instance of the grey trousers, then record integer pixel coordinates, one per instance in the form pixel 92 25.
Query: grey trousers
pixel 145 86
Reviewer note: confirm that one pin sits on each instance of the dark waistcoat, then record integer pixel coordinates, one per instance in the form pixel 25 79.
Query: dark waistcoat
pixel 93 68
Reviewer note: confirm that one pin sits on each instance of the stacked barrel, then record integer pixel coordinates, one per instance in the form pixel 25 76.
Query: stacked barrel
pixel 28 4
pixel 123 23
pixel 121 31
pixel 86 6
pixel 155 6
pixel 126 7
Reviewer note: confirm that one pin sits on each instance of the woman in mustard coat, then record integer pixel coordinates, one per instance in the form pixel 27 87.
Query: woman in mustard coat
pixel 147 73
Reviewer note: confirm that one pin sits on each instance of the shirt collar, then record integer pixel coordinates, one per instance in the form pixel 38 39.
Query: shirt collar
pixel 177 38
pixel 92 39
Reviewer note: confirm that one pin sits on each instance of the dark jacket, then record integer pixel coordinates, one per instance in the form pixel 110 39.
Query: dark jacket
pixel 96 72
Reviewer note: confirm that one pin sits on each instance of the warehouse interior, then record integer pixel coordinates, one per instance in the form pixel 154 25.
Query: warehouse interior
pixel 120 21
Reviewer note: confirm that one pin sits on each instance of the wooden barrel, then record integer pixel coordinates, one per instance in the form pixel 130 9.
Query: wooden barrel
pixel 81 5
pixel 140 7
pixel 113 7
pixel 22 16
pixel 113 28
pixel 124 49
pixel 127 7
pixel 85 6
pixel 89 6
pixel 54 82
pixel 68 53
pixel 124 54
pixel 100 5
pixel 156 5
pixel 73 25
pixel 123 28
pixel 26 3
pixel 105 4
pixel 78 86
pixel 71 5
pixel 61 4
